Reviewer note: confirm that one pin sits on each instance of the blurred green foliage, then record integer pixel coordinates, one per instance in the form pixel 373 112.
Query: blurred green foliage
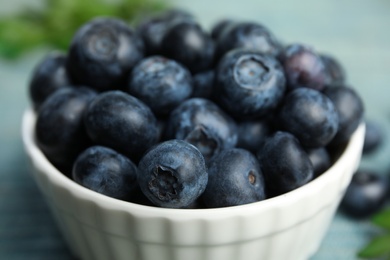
pixel 379 246
pixel 55 23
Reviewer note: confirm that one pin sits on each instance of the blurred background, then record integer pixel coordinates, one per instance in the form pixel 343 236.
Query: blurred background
pixel 354 31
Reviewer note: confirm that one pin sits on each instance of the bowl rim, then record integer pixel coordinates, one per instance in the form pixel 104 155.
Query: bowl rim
pixel 40 162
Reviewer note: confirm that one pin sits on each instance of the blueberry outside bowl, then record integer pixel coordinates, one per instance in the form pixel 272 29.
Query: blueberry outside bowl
pixel 290 226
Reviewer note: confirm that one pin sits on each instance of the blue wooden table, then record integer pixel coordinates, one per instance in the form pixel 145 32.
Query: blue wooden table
pixel 356 31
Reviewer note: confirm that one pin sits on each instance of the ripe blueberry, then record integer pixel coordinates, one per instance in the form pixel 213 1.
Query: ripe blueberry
pixel 203 124
pixel 373 137
pixel 253 133
pixel 248 83
pixel 152 29
pixel 122 122
pixel 218 28
pixel 350 110
pixel 303 67
pixel 204 84
pixel 235 178
pixel 284 163
pixel 247 35
pixel 105 171
pixel 365 195
pixel 334 71
pixel 48 76
pixel 59 128
pixel 102 53
pixel 187 43
pixel 320 159
pixel 172 174
pixel 310 116
pixel 161 83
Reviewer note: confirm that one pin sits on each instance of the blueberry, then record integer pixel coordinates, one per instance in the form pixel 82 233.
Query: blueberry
pixel 187 43
pixel 105 171
pixel 373 137
pixel 59 128
pixel 48 76
pixel 365 195
pixel 247 35
pixel 219 27
pixel 320 160
pixel 203 124
pixel 152 29
pixel 350 109
pixel 161 83
pixel 204 84
pixel 121 122
pixel 284 163
pixel 235 178
pixel 334 71
pixel 248 83
pixel 303 67
pixel 310 116
pixel 172 174
pixel 103 52
pixel 253 133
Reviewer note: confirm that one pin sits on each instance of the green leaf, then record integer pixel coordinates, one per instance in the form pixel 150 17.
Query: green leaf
pixel 18 36
pixel 378 247
pixel 382 219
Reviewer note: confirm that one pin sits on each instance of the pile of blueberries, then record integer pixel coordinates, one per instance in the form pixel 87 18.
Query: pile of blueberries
pixel 171 115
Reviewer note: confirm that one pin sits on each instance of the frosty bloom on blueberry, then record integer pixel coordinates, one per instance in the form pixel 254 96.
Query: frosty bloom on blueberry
pixel 102 52
pixel 161 83
pixel 104 170
pixel 173 174
pixel 248 83
pixel 235 178
pixel 122 122
pixel 310 116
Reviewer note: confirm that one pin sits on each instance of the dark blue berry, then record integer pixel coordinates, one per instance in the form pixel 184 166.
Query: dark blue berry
pixel 303 67
pixel 105 171
pixel 160 83
pixel 373 137
pixel 152 29
pixel 235 178
pixel 310 116
pixel 247 35
pixel 350 110
pixel 334 71
pixel 284 163
pixel 365 195
pixel 219 27
pixel 102 53
pixel 248 83
pixel 172 174
pixel 203 124
pixel 253 133
pixel 122 122
pixel 204 84
pixel 59 128
pixel 188 44
pixel 320 159
pixel 48 76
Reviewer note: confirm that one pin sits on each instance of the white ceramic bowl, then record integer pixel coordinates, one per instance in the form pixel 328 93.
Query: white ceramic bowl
pixel 96 227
